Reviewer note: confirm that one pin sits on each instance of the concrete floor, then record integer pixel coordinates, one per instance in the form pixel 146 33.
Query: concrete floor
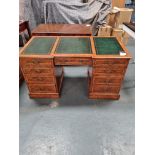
pixel 76 125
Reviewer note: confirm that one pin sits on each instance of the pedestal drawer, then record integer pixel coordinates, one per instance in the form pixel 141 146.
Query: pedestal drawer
pixel 107 80
pixel 40 79
pixel 42 88
pixel 99 62
pixel 112 66
pixel 108 70
pixel 36 62
pixel 106 89
pixel 38 71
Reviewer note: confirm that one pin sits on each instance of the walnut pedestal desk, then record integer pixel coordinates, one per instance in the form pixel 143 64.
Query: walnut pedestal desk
pixel 43 57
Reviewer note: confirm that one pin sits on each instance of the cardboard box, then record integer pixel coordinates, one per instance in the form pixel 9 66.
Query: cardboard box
pixel 125 38
pixel 110 20
pixel 105 30
pixel 111 17
pixel 118 3
pixel 123 15
pixel 117 33
pixel 121 35
pixel 118 16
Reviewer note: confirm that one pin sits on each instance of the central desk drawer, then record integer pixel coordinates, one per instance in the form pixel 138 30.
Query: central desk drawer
pixel 42 88
pixel 72 61
pixel 40 79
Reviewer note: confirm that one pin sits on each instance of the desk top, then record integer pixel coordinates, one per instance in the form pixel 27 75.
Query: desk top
pixel 40 46
pixel 71 45
pixel 62 29
pixel 74 47
pixel 107 46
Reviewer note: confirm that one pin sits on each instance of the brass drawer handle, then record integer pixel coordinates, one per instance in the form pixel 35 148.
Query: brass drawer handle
pixel 41 89
pixel 38 71
pixel 110 81
pixel 35 62
pixel 107 81
pixel 108 89
pixel 109 71
pixel 39 79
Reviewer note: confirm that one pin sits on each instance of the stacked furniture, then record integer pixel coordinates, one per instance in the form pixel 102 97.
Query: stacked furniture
pixel 42 60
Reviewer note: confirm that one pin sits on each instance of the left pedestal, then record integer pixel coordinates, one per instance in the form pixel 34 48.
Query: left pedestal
pixel 43 79
pixel 40 76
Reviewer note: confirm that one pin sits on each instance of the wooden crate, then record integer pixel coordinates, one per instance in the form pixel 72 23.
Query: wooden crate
pixel 110 19
pixel 124 15
pixel 125 38
pixel 117 33
pixel 105 30
pixel 121 35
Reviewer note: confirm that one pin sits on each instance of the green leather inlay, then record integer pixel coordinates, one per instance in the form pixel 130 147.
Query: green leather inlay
pixel 74 46
pixel 107 46
pixel 40 45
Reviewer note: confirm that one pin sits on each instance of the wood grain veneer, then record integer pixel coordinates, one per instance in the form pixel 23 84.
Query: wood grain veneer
pixel 62 30
pixel 105 79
